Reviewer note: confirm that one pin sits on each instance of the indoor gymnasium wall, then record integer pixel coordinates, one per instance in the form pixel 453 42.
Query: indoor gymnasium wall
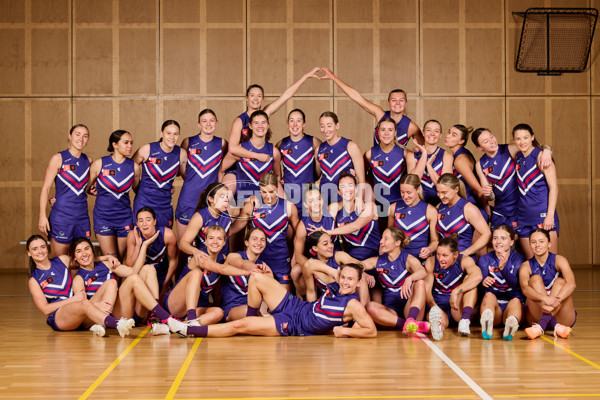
pixel 130 64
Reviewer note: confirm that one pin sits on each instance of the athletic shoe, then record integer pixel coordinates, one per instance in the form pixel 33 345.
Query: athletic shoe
pixel 487 323
pixel 124 326
pixel 160 329
pixel 534 331
pixel 410 326
pixel 194 322
pixel 98 330
pixel 435 322
pixel 423 327
pixel 510 328
pixel 463 327
pixel 178 327
pixel 562 331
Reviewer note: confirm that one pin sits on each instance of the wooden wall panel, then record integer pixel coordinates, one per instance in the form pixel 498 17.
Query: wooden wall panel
pixel 99 117
pixel 137 69
pixel 11 215
pixel 595 220
pixel 392 11
pixel 181 11
pixel 93 11
pixel 573 213
pixel 445 110
pixel 439 11
pixel 50 11
pixel 355 124
pixel 483 11
pixel 51 62
pixel 312 109
pixel 398 60
pixel 227 110
pixel 440 70
pixel 484 72
pixel 529 110
pixel 140 117
pixel 519 83
pixel 13 11
pixel 12 64
pixel 312 11
pixel 311 49
pixel 353 58
pixel 224 69
pixel 354 11
pixel 184 111
pixel 267 11
pixel 487 113
pixel 93 61
pixel 12 121
pixel 267 64
pixel 571 139
pixel 180 72
pixel 225 11
pixel 137 11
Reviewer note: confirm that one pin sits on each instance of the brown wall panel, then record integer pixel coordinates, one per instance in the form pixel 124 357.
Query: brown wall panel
pixel 571 84
pixel 51 61
pixel 50 11
pixel 483 11
pixel 266 11
pixel 267 59
pixel 139 115
pixel 398 11
pixel 311 49
pixel 11 215
pixel 520 82
pixel 314 11
pixel 50 124
pixel 224 69
pixel 355 124
pixel 99 116
pixel 445 110
pixel 13 11
pixel 398 60
pixel 181 61
pixel 526 110
pixel 93 11
pixel 570 138
pixel 137 66
pixel 595 220
pixel 440 69
pixel 93 61
pixel 184 111
pixel 435 11
pixel 227 110
pixel 353 11
pixel 137 11
pixel 312 109
pixel 12 121
pixel 181 11
pixel 484 71
pixel 12 63
pixel 574 241
pixel 225 10
pixel 354 58
pixel 595 138
pixel 487 113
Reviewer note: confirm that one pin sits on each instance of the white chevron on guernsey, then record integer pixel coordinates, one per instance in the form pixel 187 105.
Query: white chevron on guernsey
pixel 524 176
pixel 295 161
pixel 83 176
pixel 162 173
pixel 208 161
pixel 119 184
pixel 499 176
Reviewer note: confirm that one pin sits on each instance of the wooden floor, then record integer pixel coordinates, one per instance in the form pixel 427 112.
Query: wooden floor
pixel 38 363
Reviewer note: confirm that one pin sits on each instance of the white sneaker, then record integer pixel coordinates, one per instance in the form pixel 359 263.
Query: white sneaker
pixel 124 326
pixel 435 322
pixel 159 329
pixel 510 328
pixel 177 326
pixel 194 322
pixel 98 330
pixel 463 327
pixel 487 323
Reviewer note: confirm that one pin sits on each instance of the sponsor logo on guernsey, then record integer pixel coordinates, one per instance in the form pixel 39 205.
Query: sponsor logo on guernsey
pixel 68 167
pixel 377 163
pixel 323 156
pixel 438 275
pixel 195 151
pixel 154 160
pixel 108 172
pixel 286 152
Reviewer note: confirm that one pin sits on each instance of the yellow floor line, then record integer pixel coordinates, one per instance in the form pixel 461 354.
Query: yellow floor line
pixel 112 366
pixel 182 371
pixel 593 364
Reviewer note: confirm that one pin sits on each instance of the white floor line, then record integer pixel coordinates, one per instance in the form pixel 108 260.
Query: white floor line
pixel 476 388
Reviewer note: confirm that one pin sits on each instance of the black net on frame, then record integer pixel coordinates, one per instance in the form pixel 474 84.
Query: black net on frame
pixel 555 40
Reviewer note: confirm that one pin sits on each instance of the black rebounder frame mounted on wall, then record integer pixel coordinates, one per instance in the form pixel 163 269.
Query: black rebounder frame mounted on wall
pixel 555 40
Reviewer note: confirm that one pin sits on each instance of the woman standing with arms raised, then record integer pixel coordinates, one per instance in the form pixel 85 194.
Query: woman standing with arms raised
pixel 70 171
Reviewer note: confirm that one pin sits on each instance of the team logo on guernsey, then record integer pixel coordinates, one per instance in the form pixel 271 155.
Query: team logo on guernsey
pixel 297 165
pixel 377 163
pixel 488 170
pixel 68 167
pixel 154 160
pixel 46 282
pixel 399 215
pixel 323 156
pixel 493 269
pixel 195 151
pixel 245 132
pixel 383 270
pixel 108 172
pixel 286 152
pixel 441 216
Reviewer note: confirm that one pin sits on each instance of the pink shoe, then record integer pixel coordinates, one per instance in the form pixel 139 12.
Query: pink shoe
pixel 424 327
pixel 534 331
pixel 562 331
pixel 410 326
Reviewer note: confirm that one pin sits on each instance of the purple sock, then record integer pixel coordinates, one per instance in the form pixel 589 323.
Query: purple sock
pixel 200 331
pixel 400 323
pixel 544 321
pixel 413 313
pixel 552 324
pixel 191 314
pixel 160 313
pixel 252 312
pixel 110 322
pixel 467 311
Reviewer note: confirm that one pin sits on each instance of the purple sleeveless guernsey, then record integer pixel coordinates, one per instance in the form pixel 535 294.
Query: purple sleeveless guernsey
pixel 387 170
pixel 401 129
pixel 70 184
pixel 413 222
pixel 445 280
pixel 56 282
pixel 298 163
pixel 113 206
pixel 245 118
pixel 158 173
pixel 392 275
pixel 157 255
pixel 208 282
pixel 469 192
pixel 533 188
pixel 204 159
pixel 500 171
pixel 506 280
pixel 547 271
pixel 249 171
pixel 321 286
pixel 362 243
pixel 234 289
pixel 223 220
pixel 333 159
pixel 92 280
pixel 452 220
pixel 427 185
pixel 327 222
pixel 273 220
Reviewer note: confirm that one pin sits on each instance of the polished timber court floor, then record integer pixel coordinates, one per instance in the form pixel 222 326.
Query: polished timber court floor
pixel 37 363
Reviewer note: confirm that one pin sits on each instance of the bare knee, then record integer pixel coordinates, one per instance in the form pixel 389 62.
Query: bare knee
pixel 419 285
pixel 536 282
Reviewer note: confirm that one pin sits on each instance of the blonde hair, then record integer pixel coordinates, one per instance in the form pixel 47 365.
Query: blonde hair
pixel 452 182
